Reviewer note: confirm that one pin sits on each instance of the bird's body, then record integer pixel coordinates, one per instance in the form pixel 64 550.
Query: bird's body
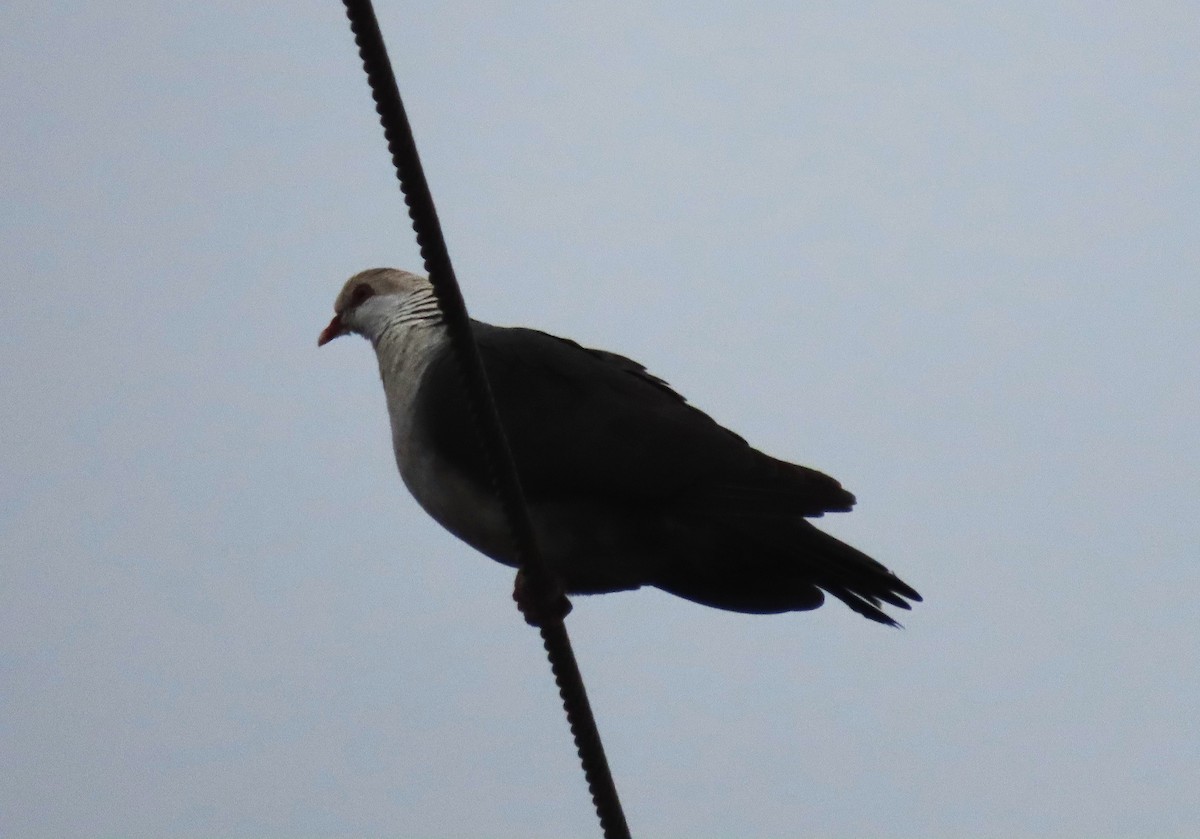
pixel 627 484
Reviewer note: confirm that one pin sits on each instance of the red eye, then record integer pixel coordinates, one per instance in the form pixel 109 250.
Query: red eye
pixel 361 292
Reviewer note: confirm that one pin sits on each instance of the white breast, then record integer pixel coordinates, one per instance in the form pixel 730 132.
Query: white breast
pixel 469 512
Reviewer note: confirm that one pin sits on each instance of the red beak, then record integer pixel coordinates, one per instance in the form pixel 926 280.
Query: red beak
pixel 332 331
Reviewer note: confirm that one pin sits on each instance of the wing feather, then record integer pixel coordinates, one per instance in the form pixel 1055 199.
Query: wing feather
pixel 587 422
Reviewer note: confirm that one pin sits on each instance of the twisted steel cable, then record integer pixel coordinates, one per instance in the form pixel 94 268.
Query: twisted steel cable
pixel 539 579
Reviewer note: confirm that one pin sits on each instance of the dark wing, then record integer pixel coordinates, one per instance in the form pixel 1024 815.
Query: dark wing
pixel 589 423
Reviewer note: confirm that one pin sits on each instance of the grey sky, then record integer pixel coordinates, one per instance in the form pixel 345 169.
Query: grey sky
pixel 947 255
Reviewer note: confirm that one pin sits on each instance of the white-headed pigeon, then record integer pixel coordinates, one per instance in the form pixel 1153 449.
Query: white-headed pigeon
pixel 627 484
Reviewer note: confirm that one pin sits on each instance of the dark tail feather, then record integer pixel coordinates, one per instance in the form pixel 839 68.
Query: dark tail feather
pixel 763 565
pixel 853 577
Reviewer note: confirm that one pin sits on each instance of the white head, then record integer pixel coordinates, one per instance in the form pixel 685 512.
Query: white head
pixel 374 300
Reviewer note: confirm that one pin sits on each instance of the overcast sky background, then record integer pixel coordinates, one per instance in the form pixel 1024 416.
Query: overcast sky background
pixel 949 256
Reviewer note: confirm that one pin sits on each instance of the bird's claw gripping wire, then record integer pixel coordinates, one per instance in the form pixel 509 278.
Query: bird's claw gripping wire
pixel 539 600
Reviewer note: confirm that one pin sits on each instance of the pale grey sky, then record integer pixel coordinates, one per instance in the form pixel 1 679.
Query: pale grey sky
pixel 946 254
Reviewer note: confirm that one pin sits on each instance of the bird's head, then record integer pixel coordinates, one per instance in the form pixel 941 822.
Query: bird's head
pixel 372 300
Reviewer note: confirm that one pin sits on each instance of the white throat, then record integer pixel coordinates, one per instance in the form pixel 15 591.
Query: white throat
pixel 404 352
pixel 408 334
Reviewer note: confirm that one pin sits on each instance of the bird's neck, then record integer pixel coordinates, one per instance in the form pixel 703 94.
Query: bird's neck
pixel 406 349
pixel 406 339
pixel 402 330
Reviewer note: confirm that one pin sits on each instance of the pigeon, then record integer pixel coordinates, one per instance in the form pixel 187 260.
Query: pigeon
pixel 627 484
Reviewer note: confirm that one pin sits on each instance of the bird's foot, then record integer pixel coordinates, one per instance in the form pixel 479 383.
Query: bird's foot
pixel 540 601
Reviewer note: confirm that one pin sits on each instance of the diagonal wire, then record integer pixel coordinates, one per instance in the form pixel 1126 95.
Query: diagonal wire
pixel 539 577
